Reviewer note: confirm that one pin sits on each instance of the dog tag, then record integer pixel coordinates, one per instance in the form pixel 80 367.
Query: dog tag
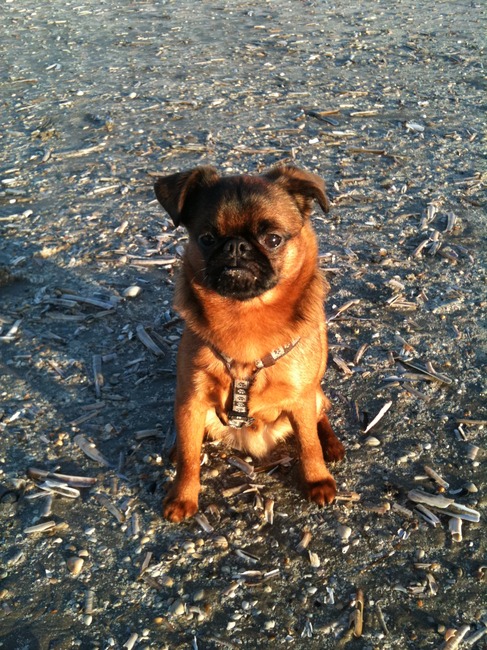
pixel 239 415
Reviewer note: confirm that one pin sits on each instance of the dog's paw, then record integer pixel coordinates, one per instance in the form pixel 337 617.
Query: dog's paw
pixel 175 509
pixel 333 450
pixel 322 492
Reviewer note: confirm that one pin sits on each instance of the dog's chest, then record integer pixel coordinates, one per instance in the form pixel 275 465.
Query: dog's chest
pixel 255 399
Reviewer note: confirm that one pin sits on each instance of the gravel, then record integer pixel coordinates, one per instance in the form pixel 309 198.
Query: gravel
pixel 387 103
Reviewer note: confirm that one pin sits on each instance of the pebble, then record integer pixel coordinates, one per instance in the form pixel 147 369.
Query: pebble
pixel 269 625
pixel 75 565
pixel 177 608
pixel 198 595
pixel 166 581
pixel 471 487
pixel 344 532
pixel 132 291
pixel 87 619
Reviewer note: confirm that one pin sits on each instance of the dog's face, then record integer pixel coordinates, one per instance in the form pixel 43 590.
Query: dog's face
pixel 244 231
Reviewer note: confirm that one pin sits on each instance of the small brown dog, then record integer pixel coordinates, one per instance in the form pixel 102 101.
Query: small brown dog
pixel 255 347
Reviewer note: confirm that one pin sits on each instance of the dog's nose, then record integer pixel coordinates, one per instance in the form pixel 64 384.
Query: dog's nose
pixel 236 246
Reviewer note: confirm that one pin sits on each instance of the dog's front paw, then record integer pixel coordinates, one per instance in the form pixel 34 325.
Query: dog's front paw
pixel 176 509
pixel 333 450
pixel 322 492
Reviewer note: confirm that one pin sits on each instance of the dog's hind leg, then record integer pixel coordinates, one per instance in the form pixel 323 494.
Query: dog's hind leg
pixel 332 448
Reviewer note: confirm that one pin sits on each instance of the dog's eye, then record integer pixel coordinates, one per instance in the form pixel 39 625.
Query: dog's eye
pixel 206 239
pixel 272 240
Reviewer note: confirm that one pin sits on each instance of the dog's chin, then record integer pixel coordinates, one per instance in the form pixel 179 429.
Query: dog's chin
pixel 241 284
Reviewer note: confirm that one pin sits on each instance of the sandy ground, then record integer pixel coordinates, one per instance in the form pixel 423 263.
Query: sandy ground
pixel 386 102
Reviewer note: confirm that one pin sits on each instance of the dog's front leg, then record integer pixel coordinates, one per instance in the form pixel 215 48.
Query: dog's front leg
pixel 182 499
pixel 319 484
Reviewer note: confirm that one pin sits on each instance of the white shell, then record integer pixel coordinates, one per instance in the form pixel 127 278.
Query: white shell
pixel 372 441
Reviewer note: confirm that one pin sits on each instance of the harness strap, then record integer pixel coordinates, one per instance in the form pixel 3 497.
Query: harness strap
pixel 239 417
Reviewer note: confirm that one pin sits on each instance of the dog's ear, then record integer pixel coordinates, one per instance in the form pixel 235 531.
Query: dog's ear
pixel 176 192
pixel 303 186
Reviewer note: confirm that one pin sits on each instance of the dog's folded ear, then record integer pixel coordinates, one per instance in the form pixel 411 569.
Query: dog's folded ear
pixel 176 192
pixel 303 186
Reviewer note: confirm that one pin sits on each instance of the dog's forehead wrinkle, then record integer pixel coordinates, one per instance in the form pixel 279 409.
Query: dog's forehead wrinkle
pixel 252 205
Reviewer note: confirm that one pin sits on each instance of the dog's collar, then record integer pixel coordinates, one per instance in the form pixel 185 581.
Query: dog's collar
pixel 239 417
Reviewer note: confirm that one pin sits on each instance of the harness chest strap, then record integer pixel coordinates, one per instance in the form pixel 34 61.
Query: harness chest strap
pixel 239 417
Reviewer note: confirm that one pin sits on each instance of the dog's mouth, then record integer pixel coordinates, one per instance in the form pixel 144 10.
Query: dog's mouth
pixel 235 268
pixel 242 282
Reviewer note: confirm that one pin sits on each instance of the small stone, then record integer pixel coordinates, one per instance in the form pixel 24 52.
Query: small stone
pixel 178 608
pixel 166 581
pixel 344 532
pixel 269 625
pixel 75 565
pixel 199 595
pixel 132 291
pixel 87 619
pixel 471 487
